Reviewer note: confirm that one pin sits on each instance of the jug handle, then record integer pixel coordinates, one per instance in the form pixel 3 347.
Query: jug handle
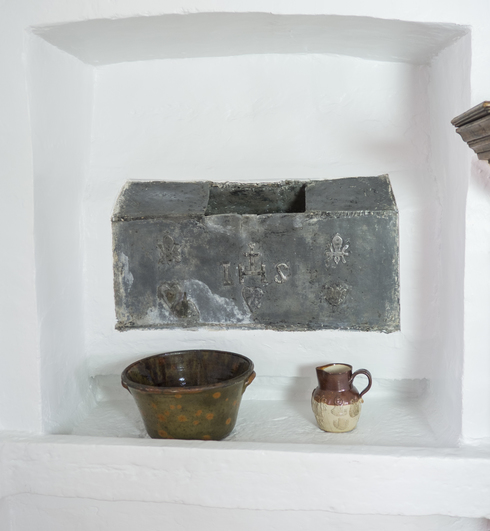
pixel 249 380
pixel 366 373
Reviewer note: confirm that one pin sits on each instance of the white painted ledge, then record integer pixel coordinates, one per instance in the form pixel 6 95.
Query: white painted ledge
pixel 277 410
pixel 248 475
pixel 276 459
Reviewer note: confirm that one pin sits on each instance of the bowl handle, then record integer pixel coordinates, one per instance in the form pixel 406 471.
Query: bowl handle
pixel 248 381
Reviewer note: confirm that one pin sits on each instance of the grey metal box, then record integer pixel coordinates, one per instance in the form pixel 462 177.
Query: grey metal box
pixel 285 256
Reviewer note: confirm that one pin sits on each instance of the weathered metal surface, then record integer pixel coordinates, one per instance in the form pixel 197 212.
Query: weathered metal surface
pixel 289 256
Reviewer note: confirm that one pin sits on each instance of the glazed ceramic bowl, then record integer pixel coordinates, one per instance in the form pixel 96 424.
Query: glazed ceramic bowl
pixel 190 394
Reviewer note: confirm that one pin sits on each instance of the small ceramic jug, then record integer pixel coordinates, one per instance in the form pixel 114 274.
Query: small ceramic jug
pixel 336 402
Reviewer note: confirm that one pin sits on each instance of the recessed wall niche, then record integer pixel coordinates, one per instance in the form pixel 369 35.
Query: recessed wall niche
pixel 249 98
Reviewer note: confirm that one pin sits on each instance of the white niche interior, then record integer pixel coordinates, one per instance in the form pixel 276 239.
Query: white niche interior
pixel 251 97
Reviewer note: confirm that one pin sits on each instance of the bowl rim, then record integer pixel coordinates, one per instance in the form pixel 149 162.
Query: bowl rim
pixel 129 384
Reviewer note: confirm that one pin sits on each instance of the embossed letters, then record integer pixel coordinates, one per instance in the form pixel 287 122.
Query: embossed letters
pixel 252 268
pixel 282 273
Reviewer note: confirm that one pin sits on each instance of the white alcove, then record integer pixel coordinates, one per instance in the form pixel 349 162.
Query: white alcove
pixel 252 97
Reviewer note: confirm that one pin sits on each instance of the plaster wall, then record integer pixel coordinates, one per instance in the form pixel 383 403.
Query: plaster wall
pixel 20 378
pixel 60 89
pixel 27 13
pixel 449 91
pixel 265 118
pixel 58 514
pixel 289 116
pixel 476 422
pixel 5 515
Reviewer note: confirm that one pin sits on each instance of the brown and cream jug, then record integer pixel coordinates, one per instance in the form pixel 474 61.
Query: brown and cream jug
pixel 336 403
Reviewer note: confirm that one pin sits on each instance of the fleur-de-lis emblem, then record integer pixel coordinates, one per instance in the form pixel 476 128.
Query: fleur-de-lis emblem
pixel 337 250
pixel 169 250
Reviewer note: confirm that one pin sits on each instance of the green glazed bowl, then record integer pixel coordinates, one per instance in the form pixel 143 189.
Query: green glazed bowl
pixel 189 394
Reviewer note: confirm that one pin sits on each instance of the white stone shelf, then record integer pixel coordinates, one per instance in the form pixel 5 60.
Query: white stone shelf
pixel 346 479
pixel 276 459
pixel 385 421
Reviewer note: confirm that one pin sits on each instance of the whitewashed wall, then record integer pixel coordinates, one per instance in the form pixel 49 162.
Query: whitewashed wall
pixel 64 157
pixel 265 118
pixel 449 164
pixel 283 116
pixel 20 379
pixel 377 160
pixel 55 514
pixel 61 111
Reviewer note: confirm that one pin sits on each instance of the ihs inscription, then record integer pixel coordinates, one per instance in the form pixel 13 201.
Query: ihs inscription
pixel 255 269
pixel 283 273
pixel 295 255
pixel 252 269
pixel 226 274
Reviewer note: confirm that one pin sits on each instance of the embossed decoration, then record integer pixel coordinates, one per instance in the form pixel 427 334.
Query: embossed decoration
pixel 339 410
pixel 335 294
pixel 253 269
pixel 341 424
pixel 169 250
pixel 175 299
pixel 226 274
pixel 355 409
pixel 252 297
pixel 283 273
pixel 337 250
pixel 322 254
